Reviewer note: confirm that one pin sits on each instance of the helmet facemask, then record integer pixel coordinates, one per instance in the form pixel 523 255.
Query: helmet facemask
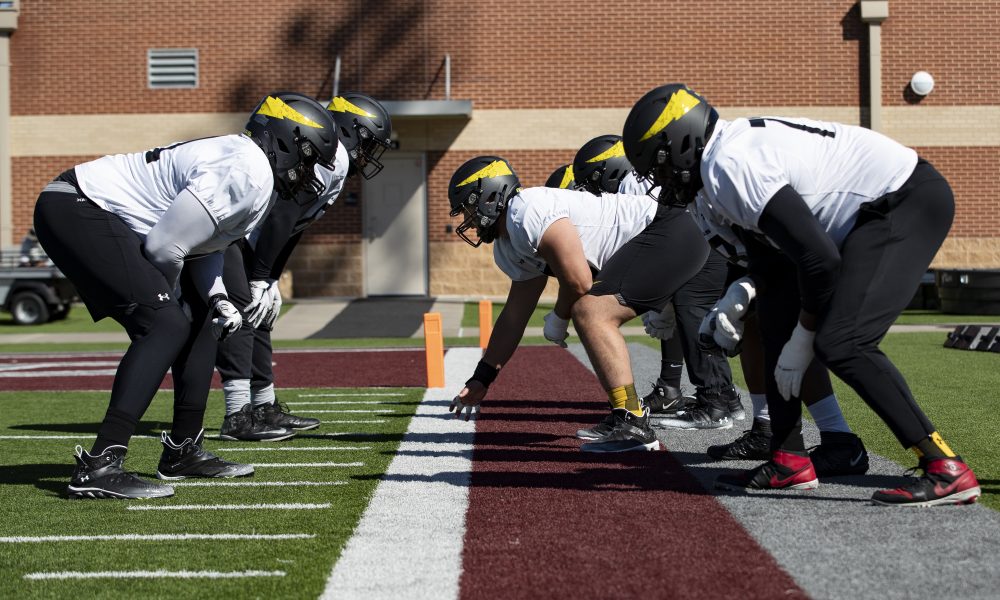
pixel 481 215
pixel 367 153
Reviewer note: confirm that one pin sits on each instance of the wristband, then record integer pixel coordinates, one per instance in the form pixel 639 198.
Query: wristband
pixel 484 374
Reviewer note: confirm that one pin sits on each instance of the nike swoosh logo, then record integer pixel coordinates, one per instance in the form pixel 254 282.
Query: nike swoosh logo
pixel 777 482
pixel 854 462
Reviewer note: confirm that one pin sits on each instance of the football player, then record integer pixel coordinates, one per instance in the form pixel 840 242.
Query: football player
pixel 254 265
pixel 840 451
pixel 601 167
pixel 840 225
pixel 140 234
pixel 614 256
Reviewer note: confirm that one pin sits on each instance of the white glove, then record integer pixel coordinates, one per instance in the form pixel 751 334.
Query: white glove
pixel 795 358
pixel 260 301
pixel 226 319
pixel 660 325
pixel 725 321
pixel 272 314
pixel 556 329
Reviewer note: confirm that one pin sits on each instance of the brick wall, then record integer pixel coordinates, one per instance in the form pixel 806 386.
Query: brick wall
pixel 75 57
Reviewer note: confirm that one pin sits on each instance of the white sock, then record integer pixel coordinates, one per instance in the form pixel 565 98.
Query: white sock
pixel 262 396
pixel 237 394
pixel 759 403
pixel 827 415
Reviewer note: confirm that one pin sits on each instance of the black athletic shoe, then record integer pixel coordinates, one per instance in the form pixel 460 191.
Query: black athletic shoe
pixel 735 404
pixel 598 431
pixel 242 426
pixel 630 433
pixel 710 412
pixel 753 444
pixel 839 453
pixel 189 459
pixel 945 481
pixel 103 476
pixel 665 400
pixel 276 415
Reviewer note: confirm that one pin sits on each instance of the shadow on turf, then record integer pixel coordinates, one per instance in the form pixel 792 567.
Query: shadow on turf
pixel 144 428
pixel 50 477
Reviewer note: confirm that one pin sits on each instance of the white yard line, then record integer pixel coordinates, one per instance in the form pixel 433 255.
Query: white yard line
pixel 154 537
pixel 408 543
pixel 80 373
pixel 281 506
pixel 343 395
pixel 27 366
pixel 330 402
pixel 322 464
pixel 377 411
pixel 69 437
pixel 256 483
pixel 153 574
pixel 291 448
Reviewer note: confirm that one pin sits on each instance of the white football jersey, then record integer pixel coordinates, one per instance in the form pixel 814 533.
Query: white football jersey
pixel 229 175
pixel 719 234
pixel 603 222
pixel 834 167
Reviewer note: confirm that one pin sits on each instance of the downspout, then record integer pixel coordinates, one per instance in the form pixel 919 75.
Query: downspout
pixel 874 12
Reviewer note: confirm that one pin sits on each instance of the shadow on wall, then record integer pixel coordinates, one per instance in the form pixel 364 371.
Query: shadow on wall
pixel 383 54
pixel 856 30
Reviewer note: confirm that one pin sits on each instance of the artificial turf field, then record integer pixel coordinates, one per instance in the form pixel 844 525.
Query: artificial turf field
pixel 362 436
pixel 525 432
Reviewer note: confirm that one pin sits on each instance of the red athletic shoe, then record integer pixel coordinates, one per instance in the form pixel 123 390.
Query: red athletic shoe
pixel 785 471
pixel 945 481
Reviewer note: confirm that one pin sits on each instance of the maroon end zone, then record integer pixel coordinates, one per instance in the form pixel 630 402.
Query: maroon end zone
pixel 544 517
pixel 389 368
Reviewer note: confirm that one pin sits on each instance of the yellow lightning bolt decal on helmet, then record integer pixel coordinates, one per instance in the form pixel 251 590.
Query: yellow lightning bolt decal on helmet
pixel 276 108
pixel 567 177
pixel 340 104
pixel 680 102
pixel 617 150
pixel 497 168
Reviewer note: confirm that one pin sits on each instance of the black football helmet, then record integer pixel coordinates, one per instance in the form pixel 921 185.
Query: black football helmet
pixel 295 133
pixel 480 189
pixel 364 128
pixel 600 165
pixel 664 135
pixel 562 178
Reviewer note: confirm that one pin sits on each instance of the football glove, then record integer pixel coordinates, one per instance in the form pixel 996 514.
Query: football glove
pixel 725 321
pixel 556 329
pixel 260 301
pixel 660 325
pixel 272 314
pixel 793 362
pixel 226 319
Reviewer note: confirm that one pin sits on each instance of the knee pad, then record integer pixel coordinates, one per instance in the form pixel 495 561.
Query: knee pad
pixel 141 321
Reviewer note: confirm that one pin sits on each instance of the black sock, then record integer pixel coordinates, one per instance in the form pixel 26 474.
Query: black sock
pixel 116 430
pixel 671 362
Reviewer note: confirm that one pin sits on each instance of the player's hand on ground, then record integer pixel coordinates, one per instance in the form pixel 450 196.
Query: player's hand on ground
pixel 468 400
pixel 260 301
pixel 556 329
pixel 226 319
pixel 793 362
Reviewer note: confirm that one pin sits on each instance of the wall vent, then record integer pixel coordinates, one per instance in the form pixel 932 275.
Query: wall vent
pixel 172 68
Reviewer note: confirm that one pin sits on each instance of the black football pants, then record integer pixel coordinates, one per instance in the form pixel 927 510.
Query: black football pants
pixel 883 259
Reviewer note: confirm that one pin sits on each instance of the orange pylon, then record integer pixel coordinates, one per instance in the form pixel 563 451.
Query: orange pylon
pixel 434 349
pixel 485 322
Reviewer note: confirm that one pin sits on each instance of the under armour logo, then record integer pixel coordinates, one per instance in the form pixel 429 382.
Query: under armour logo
pixel 163 297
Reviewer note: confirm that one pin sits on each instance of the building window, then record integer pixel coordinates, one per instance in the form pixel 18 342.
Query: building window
pixel 172 67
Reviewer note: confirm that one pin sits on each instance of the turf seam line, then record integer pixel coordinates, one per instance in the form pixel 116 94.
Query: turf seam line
pixel 152 574
pixel 155 537
pixel 259 506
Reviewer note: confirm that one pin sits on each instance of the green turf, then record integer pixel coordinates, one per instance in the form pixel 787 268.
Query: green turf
pixel 77 321
pixel 933 317
pixel 34 473
pixel 955 388
pixel 46 347
pixel 470 316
